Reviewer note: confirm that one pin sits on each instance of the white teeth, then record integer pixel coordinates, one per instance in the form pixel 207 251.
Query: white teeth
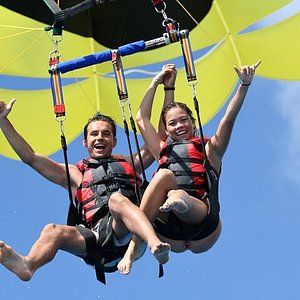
pixel 182 132
pixel 99 146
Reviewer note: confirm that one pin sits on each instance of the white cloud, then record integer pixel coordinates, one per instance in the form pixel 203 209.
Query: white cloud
pixel 288 105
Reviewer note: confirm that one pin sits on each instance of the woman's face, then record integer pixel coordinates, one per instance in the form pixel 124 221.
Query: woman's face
pixel 179 125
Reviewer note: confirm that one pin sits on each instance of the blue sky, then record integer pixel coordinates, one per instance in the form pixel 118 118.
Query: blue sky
pixel 257 255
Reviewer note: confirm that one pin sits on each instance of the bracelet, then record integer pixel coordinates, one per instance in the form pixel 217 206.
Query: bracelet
pixel 245 84
pixel 171 88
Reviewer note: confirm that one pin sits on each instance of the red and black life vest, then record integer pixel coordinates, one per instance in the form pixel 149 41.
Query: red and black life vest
pixel 186 160
pixel 99 179
pixel 197 177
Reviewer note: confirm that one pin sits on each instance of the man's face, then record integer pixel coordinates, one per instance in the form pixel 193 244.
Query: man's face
pixel 100 140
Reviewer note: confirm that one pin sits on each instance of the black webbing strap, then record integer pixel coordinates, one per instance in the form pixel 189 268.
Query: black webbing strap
pixel 124 101
pixel 53 6
pixel 73 217
pixel 196 105
pixel 160 271
pixel 106 251
pixel 105 237
pixel 61 15
pixel 133 127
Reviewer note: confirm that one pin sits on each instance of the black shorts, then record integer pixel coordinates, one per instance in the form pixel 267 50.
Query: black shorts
pixel 116 249
pixel 91 243
pixel 175 229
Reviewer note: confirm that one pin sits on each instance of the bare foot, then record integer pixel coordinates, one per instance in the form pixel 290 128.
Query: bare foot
pixel 178 200
pixel 14 262
pixel 161 252
pixel 124 265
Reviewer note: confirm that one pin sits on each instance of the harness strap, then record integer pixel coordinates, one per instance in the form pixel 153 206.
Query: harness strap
pixel 188 172
pixel 59 109
pixel 111 188
pixel 88 200
pixel 96 163
pixel 105 236
pixel 174 160
pixel 73 217
pixel 106 251
pixel 119 178
pixel 191 77
pixel 191 187
pixel 61 15
pixel 124 100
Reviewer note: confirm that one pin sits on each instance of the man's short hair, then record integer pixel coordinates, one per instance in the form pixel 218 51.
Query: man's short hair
pixel 100 117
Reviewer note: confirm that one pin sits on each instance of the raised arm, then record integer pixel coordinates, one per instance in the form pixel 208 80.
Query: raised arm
pixel 219 142
pixel 169 89
pixel 48 168
pixel 151 136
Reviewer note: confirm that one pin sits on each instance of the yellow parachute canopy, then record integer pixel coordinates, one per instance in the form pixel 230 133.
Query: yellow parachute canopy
pixel 25 49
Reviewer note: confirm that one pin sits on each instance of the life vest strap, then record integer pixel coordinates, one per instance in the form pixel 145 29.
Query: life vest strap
pixel 175 160
pixel 121 179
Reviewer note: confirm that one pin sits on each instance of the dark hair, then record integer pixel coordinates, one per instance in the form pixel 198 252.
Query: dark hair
pixel 100 117
pixel 180 105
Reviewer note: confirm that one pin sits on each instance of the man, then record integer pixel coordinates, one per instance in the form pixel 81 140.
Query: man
pixel 108 214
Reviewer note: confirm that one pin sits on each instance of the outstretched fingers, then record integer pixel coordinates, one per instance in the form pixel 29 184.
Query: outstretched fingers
pixel 246 69
pixel 6 108
pixel 246 73
pixel 256 65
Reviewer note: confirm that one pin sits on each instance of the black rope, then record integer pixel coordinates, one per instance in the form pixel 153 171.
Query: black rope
pixel 196 105
pixel 65 148
pixel 126 130
pixel 73 218
pixel 133 127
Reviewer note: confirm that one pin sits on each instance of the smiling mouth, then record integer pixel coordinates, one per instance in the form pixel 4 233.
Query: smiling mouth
pixel 99 146
pixel 179 133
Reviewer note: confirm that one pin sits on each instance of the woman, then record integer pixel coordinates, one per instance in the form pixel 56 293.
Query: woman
pixel 182 197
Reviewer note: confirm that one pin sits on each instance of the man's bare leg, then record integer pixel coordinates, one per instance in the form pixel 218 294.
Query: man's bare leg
pixel 14 262
pixel 125 264
pixel 154 197
pixel 128 217
pixel 53 238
